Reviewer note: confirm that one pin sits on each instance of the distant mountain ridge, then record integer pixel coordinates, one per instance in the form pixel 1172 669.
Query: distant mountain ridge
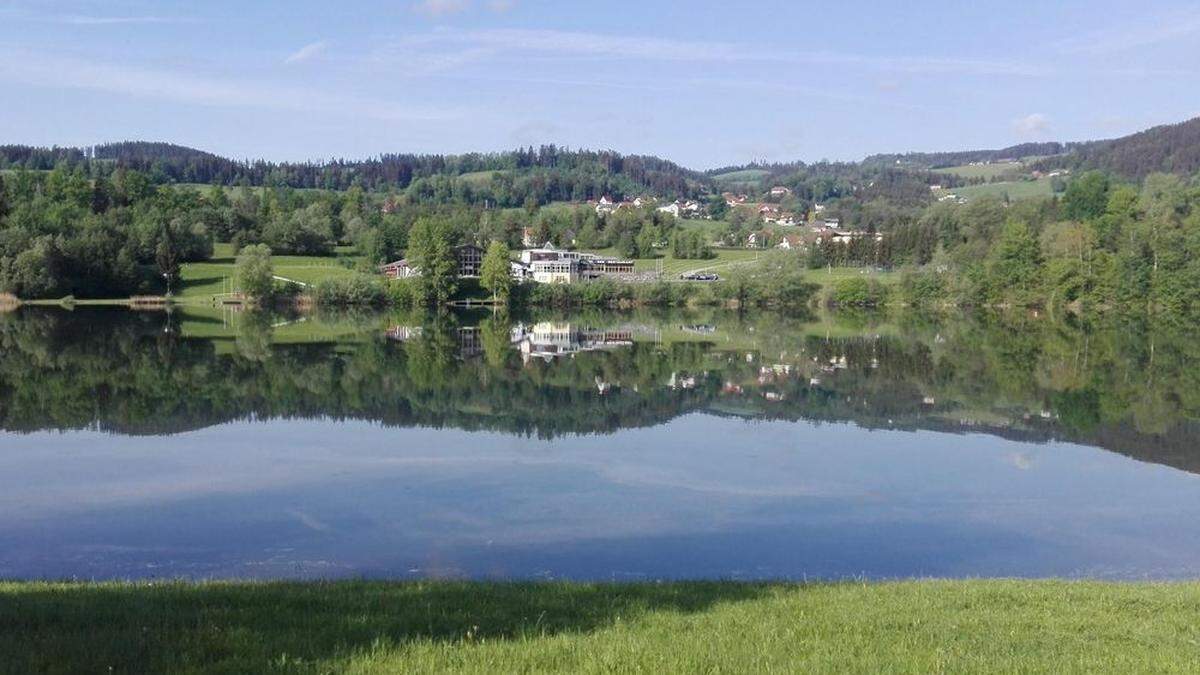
pixel 1169 148
pixel 562 173
pixel 941 160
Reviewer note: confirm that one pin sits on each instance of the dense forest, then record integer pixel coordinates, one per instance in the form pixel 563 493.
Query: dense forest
pixel 538 175
pixel 939 160
pixel 64 233
pixel 1172 148
pixel 123 219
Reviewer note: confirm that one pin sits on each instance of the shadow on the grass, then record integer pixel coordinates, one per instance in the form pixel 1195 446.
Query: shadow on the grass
pixel 156 627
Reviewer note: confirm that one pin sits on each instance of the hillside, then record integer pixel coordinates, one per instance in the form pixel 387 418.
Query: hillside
pixel 1171 148
pixel 545 174
pixel 941 160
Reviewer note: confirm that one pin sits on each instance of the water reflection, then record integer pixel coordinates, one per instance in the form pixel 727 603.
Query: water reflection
pixel 595 445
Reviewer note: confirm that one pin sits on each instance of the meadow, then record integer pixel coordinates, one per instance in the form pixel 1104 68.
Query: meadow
pixel 1021 189
pixel 672 267
pixel 210 279
pixel 985 171
pixel 424 627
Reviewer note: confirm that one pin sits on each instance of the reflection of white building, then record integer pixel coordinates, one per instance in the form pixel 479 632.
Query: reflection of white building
pixel 550 339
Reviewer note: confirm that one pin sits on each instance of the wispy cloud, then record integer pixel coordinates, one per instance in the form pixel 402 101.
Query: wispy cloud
pixel 47 70
pixel 307 52
pixel 1126 37
pixel 1034 125
pixel 446 7
pixel 566 44
pixel 442 7
pixel 78 20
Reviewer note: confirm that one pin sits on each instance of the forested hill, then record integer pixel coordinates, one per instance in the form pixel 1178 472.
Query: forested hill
pixel 939 160
pixel 544 174
pixel 1171 148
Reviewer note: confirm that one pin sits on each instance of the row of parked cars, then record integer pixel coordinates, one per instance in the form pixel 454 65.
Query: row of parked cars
pixel 700 276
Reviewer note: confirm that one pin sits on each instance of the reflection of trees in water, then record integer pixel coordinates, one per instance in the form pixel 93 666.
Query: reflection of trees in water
pixel 1131 386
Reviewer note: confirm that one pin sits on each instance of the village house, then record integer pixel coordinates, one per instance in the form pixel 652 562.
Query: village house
pixel 758 239
pixel 683 209
pixel 605 206
pixel 784 219
pixel 733 200
pixel 468 256
pixel 791 242
pixel 399 269
pixel 780 191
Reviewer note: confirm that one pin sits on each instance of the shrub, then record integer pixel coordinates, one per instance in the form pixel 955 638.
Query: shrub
pixel 922 289
pixel 857 293
pixel 355 291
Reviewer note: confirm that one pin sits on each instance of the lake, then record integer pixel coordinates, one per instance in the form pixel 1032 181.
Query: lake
pixel 600 446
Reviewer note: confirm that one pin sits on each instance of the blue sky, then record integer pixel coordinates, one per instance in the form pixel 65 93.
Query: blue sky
pixel 703 83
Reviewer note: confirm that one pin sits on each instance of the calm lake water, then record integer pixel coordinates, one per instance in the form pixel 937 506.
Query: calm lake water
pixel 598 446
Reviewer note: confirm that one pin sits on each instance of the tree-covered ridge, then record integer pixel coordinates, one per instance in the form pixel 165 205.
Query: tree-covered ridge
pixel 544 174
pixel 1128 386
pixel 940 160
pixel 1170 148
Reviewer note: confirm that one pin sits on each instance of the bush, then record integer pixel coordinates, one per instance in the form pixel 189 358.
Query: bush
pixel 922 289
pixel 857 293
pixel 355 291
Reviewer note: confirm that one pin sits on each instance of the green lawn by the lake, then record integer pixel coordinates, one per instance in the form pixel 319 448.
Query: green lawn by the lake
pixel 369 627
pixel 205 280
pixel 672 267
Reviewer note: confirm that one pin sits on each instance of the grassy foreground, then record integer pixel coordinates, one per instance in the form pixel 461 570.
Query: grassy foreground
pixel 920 627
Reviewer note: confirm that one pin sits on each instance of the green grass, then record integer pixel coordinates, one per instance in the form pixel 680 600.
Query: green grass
pixel 673 267
pixel 1022 189
pixel 743 176
pixel 828 277
pixel 984 171
pixel 479 178
pixel 214 277
pixel 908 627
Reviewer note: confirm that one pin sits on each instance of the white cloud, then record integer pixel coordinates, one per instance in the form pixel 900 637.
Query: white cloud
pixel 307 52
pixel 80 20
pixel 442 7
pixel 1032 126
pixel 1127 37
pixel 47 70
pixel 446 7
pixel 647 48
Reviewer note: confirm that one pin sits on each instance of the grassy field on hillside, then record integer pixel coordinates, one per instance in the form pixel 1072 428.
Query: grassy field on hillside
pixel 1022 189
pixel 743 176
pixel 367 627
pixel 215 276
pixel 984 171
